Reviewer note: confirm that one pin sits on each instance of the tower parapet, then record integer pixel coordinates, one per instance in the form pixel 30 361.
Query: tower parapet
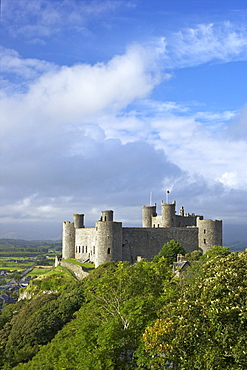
pixel 78 221
pixel 106 215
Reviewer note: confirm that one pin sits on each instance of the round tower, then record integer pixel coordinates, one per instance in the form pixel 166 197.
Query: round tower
pixel 168 214
pixel 78 221
pixel 108 245
pixel 209 233
pixel 147 213
pixel 68 242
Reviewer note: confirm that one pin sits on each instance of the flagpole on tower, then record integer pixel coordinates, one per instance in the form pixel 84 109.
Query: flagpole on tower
pixel 167 198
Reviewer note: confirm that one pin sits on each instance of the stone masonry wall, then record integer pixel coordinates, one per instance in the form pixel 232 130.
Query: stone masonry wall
pixel 78 270
pixel 85 244
pixel 147 242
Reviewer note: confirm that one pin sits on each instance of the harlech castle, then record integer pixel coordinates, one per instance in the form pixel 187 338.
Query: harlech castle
pixel 109 241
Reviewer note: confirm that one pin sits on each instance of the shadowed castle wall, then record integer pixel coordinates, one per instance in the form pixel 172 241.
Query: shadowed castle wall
pixel 147 242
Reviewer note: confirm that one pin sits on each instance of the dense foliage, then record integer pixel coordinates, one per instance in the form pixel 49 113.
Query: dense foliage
pixel 206 328
pixel 139 316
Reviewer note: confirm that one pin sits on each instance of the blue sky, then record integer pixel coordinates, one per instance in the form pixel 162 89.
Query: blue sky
pixel 103 102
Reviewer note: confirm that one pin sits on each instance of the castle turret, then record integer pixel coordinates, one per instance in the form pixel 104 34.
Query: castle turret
pixel 68 243
pixel 78 221
pixel 108 246
pixel 168 214
pixel 147 213
pixel 209 233
pixel 106 216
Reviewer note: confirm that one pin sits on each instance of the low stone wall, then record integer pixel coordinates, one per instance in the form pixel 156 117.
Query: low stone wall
pixel 77 270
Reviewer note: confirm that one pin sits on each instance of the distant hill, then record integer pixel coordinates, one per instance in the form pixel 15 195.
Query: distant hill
pixel 21 242
pixel 238 246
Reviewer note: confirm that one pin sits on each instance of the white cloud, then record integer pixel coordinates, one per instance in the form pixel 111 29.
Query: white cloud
pixel 238 126
pixel 44 18
pixel 11 62
pixel 197 148
pixel 215 117
pixel 206 43
pixel 82 92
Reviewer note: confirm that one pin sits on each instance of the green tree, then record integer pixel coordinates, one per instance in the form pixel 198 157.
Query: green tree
pixel 216 250
pixel 170 251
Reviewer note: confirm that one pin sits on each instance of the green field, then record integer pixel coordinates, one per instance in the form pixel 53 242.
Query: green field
pixel 25 248
pixel 38 271
pixel 14 266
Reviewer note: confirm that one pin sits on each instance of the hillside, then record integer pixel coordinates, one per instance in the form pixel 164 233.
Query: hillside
pixel 125 316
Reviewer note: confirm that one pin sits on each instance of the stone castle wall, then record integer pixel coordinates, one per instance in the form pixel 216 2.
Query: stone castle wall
pixel 85 239
pixel 147 242
pixel 78 270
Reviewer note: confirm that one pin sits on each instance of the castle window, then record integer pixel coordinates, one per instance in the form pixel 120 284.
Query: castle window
pixel 93 249
pixel 83 249
pixel 204 231
pixel 79 249
pixel 108 250
pixel 86 248
pixel 76 249
pixel 158 225
pixel 204 241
